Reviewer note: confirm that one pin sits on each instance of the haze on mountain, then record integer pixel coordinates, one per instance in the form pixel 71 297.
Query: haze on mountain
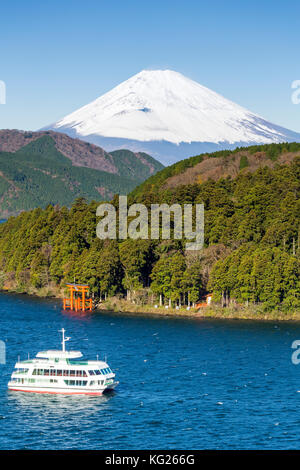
pixel 165 114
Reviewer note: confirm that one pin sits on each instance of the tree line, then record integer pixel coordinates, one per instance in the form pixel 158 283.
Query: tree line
pixel 251 252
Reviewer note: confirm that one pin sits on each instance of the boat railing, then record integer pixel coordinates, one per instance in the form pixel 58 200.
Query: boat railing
pixel 29 361
pixel 17 372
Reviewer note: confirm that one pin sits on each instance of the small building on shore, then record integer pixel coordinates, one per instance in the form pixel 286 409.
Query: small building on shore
pixel 205 302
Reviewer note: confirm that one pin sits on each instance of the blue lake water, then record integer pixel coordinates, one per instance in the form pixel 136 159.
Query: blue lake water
pixel 184 383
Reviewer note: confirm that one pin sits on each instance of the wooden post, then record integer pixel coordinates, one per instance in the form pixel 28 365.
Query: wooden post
pixel 83 299
pixel 71 294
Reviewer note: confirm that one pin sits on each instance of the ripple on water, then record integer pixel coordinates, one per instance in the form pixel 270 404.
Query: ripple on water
pixel 183 383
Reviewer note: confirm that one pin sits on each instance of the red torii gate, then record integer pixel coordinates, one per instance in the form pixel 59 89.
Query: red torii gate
pixel 78 299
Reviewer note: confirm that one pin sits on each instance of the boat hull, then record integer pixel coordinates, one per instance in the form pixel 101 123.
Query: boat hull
pixel 62 391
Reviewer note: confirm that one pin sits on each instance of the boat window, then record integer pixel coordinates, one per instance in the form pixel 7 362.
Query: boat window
pixel 73 382
pixel 91 372
pixel 84 374
pixel 81 382
pixel 78 373
pixel 78 383
pixel 52 372
pixel 21 371
pixel 46 371
pixel 59 373
pixel 92 382
pixel 72 373
pixel 97 372
pixel 66 373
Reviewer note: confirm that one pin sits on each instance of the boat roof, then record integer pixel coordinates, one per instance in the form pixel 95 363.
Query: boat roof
pixel 75 364
pixel 59 354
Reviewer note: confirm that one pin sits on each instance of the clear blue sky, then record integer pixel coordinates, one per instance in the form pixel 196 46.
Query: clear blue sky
pixel 56 56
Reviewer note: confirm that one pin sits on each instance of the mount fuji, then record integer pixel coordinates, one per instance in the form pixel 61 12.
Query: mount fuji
pixel 166 114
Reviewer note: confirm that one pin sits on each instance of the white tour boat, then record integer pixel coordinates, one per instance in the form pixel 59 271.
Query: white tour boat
pixel 59 372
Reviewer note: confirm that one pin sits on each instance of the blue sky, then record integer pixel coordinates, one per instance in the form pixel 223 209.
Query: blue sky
pixel 57 56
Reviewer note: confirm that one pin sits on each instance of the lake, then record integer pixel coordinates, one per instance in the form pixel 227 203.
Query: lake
pixel 184 383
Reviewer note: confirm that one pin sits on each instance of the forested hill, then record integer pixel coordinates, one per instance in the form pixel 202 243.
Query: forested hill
pixel 218 165
pixel 251 254
pixel 43 168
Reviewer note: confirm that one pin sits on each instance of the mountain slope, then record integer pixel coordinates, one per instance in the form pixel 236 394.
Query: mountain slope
pixel 38 174
pixel 214 166
pixel 126 163
pixel 170 114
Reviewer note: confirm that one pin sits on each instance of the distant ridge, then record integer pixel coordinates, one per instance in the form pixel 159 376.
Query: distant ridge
pixel 85 154
pixel 41 168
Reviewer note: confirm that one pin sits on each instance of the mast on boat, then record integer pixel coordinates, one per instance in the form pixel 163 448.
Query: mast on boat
pixel 64 339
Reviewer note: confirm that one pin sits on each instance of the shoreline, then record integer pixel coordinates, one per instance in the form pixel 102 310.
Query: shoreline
pixel 116 305
pixel 228 313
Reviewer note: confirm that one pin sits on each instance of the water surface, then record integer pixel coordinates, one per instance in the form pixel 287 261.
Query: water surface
pixel 184 383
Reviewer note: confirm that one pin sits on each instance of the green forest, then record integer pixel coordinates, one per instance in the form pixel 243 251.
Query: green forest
pixel 38 174
pixel 251 254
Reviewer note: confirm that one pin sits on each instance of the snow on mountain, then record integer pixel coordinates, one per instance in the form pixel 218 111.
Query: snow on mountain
pixel 168 114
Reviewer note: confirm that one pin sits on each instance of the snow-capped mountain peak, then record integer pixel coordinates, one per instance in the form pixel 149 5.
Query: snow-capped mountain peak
pixel 165 106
